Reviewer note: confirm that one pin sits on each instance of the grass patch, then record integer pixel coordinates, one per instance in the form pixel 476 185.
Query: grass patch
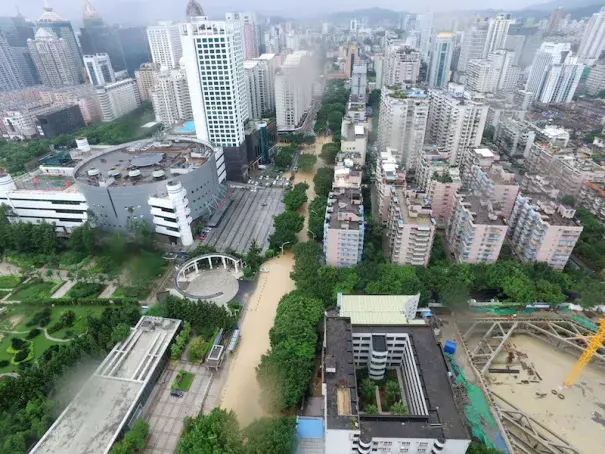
pixel 183 381
pixel 34 290
pixel 3 293
pixel 85 289
pixel 9 281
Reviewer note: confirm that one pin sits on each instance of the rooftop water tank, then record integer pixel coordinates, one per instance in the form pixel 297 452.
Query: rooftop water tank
pixel 93 172
pixel 134 173
pixel 82 144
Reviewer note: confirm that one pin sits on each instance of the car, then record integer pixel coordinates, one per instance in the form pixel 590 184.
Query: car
pixel 177 393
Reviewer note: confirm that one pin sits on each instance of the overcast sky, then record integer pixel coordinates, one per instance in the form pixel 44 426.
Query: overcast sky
pixel 137 11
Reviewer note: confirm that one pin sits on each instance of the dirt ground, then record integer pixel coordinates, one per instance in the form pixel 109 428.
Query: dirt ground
pixel 241 391
pixel 580 417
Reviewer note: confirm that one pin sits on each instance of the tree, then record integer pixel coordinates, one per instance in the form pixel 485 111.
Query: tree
pixel 296 197
pixel 399 409
pixel 197 349
pixel 134 440
pixel 216 432
pixel 368 389
pixel 82 239
pixel 253 257
pixel 488 133
pixel 395 280
pixel 271 436
pixel 454 294
pixel 306 162
pixel 371 409
pixel 329 152
pixel 317 214
pixel 393 392
pixel 323 181
pixel 120 332
pixel 480 448
pixel 569 200
pixel 68 318
pixel 284 158
pixel 289 220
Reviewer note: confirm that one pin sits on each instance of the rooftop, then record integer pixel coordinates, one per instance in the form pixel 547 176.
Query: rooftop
pixel 414 207
pixel 480 210
pixel 397 92
pixel 345 209
pixel 93 420
pixel 140 163
pixel 376 309
pixel 551 211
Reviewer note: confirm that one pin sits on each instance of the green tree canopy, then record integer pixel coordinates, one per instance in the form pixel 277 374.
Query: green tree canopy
pixel 271 436
pixel 306 162
pixel 216 432
pixel 296 197
pixel 323 181
pixel 329 152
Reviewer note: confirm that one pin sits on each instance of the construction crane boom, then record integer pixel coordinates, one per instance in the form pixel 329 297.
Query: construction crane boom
pixel 594 344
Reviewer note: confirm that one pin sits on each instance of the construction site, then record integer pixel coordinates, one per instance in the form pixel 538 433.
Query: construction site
pixel 530 382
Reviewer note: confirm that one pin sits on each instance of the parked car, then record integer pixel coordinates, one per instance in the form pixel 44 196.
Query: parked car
pixel 177 393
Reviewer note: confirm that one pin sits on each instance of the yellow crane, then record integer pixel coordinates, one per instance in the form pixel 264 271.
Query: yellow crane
pixel 594 344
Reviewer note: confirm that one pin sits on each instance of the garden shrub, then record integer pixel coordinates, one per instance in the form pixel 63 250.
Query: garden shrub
pixel 33 333
pixel 17 343
pixel 40 318
pixel 4 363
pixel 85 289
pixel 21 355
pixel 56 327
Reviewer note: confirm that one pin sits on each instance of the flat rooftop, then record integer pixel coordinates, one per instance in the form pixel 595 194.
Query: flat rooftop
pixel 480 211
pixel 408 206
pixel 346 208
pixel 113 167
pixel 94 419
pixel 376 309
pixel 554 217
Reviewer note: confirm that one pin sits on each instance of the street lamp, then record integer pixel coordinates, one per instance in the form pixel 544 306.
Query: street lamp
pixel 282 247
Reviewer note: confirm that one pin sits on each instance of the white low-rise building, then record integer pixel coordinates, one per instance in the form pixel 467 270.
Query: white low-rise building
pixel 118 99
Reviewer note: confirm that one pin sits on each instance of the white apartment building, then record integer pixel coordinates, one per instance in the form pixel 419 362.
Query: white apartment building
pixel 424 25
pixel 475 230
pixel 170 97
pixel 359 79
pixel 53 59
pixel 358 342
pixel 386 177
pixel 410 227
pixel 11 77
pixel 542 230
pixel 503 62
pixel 344 228
pixel 347 174
pixel 439 181
pixel 379 68
pixel 20 121
pixel 165 44
pixel 254 87
pixel 146 78
pixel 496 185
pixel 293 90
pixel 99 69
pixel 514 137
pixel 118 99
pixel 471 48
pixel 214 60
pixel 402 123
pixel 496 33
pixel 251 35
pixel 401 66
pixel 565 172
pixel 560 83
pixel 441 60
pixel 267 66
pixel 455 123
pixel 593 40
pixel 595 82
pixel 592 197
pixel 481 76
pixel 354 138
pixel 66 209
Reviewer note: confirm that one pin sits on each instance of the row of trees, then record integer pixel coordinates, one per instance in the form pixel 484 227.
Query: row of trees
pixel 591 245
pixel 203 316
pixel 323 181
pixel 284 157
pixel 24 237
pixel 219 431
pixel 329 152
pixel 285 370
pixel 317 214
pixel 306 162
pixel 286 225
pixel 298 138
pixel 334 104
pixel 26 409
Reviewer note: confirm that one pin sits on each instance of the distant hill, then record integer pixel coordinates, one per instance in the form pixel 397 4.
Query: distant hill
pixel 567 5
pixel 372 15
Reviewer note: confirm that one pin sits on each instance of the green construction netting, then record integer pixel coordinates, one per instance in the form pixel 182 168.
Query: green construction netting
pixel 584 322
pixel 476 413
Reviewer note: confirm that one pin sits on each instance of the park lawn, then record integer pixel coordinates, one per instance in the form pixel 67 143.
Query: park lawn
pixel 186 381
pixel 40 344
pixel 81 314
pixel 35 290
pixel 9 281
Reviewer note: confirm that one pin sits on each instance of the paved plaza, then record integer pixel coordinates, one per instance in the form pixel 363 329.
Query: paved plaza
pixel 211 282
pixel 250 216
pixel 165 413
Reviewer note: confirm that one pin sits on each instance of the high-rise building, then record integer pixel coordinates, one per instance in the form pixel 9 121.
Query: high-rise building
pixel 251 35
pixel 410 228
pixel 351 56
pixel 135 47
pixel 496 33
pixel 503 62
pixel 525 42
pixel 353 26
pixel 99 69
pixel 214 60
pixel 53 59
pixel 96 37
pixel 473 43
pixel 542 230
pixel 293 90
pixel 441 60
pixel 10 76
pixel 387 179
pixel 17 31
pixel 165 44
pixel 481 76
pixel 554 21
pixel 61 120
pixel 455 123
pixel 54 24
pixel 146 78
pixel 359 79
pixel 401 66
pixel 424 25
pixel 117 99
pixel 254 88
pixel 494 184
pixel 595 82
pixel 170 97
pixel 593 40
pixel 267 68
pixel 344 228
pixel 402 124
pixel 83 95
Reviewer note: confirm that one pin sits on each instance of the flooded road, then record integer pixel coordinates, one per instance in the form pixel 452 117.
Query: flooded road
pixel 241 391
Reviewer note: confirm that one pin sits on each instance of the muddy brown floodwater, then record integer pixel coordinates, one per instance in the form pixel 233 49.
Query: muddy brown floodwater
pixel 241 391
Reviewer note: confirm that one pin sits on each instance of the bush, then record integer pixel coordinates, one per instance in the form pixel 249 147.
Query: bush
pixel 85 289
pixel 40 318
pixel 21 355
pixel 4 363
pixel 68 317
pixel 33 333
pixel 270 253
pixel 181 340
pixel 18 343
pixel 54 328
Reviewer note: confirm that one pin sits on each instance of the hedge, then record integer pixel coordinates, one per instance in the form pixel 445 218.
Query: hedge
pixel 82 301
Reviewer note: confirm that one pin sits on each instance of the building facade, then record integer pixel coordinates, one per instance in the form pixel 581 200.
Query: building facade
pixel 118 99
pixel 62 120
pixel 595 82
pixel 10 76
pixel 592 197
pixel 496 33
pixel 401 66
pixel 441 60
pixel 99 69
pixel 165 44
pixel 170 97
pixel 359 79
pixel 593 40
pixel 293 91
pixel 146 78
pixel 53 59
pixel 344 228
pixel 386 177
